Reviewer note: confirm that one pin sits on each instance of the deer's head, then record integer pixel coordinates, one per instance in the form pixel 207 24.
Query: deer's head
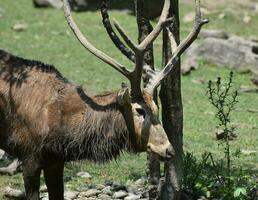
pixel 137 104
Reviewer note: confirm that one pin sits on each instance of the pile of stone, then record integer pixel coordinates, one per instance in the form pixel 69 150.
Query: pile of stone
pixel 108 191
pixel 223 50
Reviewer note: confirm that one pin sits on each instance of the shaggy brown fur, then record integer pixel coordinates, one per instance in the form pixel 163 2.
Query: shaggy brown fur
pixel 42 113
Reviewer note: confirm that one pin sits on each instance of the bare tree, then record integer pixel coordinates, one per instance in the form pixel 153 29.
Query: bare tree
pixel 171 100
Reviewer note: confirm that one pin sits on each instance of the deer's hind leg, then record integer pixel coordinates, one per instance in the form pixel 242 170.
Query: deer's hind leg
pixel 31 177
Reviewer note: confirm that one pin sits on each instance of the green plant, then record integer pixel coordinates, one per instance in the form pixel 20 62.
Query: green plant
pixel 223 97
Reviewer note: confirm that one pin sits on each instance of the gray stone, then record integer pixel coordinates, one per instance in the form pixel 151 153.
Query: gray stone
pixel 84 175
pixel 13 193
pixel 70 195
pixel 11 168
pixel 141 181
pixel 48 3
pixel 90 193
pixel 107 190
pixel 21 26
pixel 104 197
pixel 132 197
pixel 234 53
pixel 120 194
pixel 100 186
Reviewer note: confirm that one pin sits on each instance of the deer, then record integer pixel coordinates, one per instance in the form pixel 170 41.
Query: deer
pixel 45 120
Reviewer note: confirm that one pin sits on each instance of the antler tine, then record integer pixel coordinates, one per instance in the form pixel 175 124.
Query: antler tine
pixel 199 22
pixel 99 54
pixel 158 28
pixel 112 34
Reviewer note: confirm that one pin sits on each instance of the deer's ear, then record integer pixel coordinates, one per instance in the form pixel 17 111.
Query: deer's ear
pixel 124 96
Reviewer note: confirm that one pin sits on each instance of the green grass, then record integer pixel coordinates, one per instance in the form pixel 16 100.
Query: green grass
pixel 49 39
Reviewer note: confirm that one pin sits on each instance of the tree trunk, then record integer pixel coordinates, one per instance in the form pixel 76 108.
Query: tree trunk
pixel 144 28
pixel 172 114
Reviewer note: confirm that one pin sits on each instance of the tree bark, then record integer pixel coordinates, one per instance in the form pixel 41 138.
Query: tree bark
pixel 172 113
pixel 144 28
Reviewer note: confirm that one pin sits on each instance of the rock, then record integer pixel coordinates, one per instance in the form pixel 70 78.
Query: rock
pixel 120 194
pixel 141 181
pixel 21 26
pixel 235 53
pixel 84 175
pixel 70 195
pixel 104 197
pixel 189 17
pixel 90 193
pixel 48 3
pixel 100 187
pixel 107 190
pixel 13 193
pixel 213 33
pixel 247 19
pixel 133 189
pixel 132 197
pixel 222 15
pixel 11 169
pixel 248 152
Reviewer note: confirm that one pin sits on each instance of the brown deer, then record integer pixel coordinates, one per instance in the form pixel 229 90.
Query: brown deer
pixel 45 120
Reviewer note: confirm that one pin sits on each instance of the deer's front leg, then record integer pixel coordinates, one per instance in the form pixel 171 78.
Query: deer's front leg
pixel 31 177
pixel 54 180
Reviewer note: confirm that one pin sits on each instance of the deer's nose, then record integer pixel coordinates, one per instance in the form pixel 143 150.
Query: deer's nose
pixel 170 153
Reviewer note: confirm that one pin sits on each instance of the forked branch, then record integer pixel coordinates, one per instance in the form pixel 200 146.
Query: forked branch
pixel 112 34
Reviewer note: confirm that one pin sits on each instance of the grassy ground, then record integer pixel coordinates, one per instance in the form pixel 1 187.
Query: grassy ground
pixel 49 39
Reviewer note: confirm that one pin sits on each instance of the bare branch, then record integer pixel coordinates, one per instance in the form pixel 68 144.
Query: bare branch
pixel 125 36
pixel 99 54
pixel 199 22
pixel 157 29
pixel 112 34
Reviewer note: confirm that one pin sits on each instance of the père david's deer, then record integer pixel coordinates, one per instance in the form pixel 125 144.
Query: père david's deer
pixel 45 120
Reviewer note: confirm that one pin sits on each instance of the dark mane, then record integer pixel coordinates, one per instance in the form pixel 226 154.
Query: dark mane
pixel 101 135
pixel 19 64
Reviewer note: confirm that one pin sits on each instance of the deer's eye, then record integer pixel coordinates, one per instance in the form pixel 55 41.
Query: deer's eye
pixel 141 112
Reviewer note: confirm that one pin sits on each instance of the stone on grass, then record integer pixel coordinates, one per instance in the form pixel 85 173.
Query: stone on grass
pixel 107 190
pixel 20 26
pixel 13 193
pixel 235 53
pixel 90 193
pixel 71 195
pixel 104 197
pixel 141 181
pixel 132 197
pixel 48 3
pixel 84 175
pixel 120 194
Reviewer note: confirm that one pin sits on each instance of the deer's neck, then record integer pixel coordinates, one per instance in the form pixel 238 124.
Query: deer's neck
pixel 97 132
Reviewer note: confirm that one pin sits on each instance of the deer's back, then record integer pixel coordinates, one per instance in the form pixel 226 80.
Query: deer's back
pixel 32 98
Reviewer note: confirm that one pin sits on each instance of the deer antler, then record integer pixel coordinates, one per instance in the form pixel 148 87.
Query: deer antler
pixel 83 40
pixel 155 78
